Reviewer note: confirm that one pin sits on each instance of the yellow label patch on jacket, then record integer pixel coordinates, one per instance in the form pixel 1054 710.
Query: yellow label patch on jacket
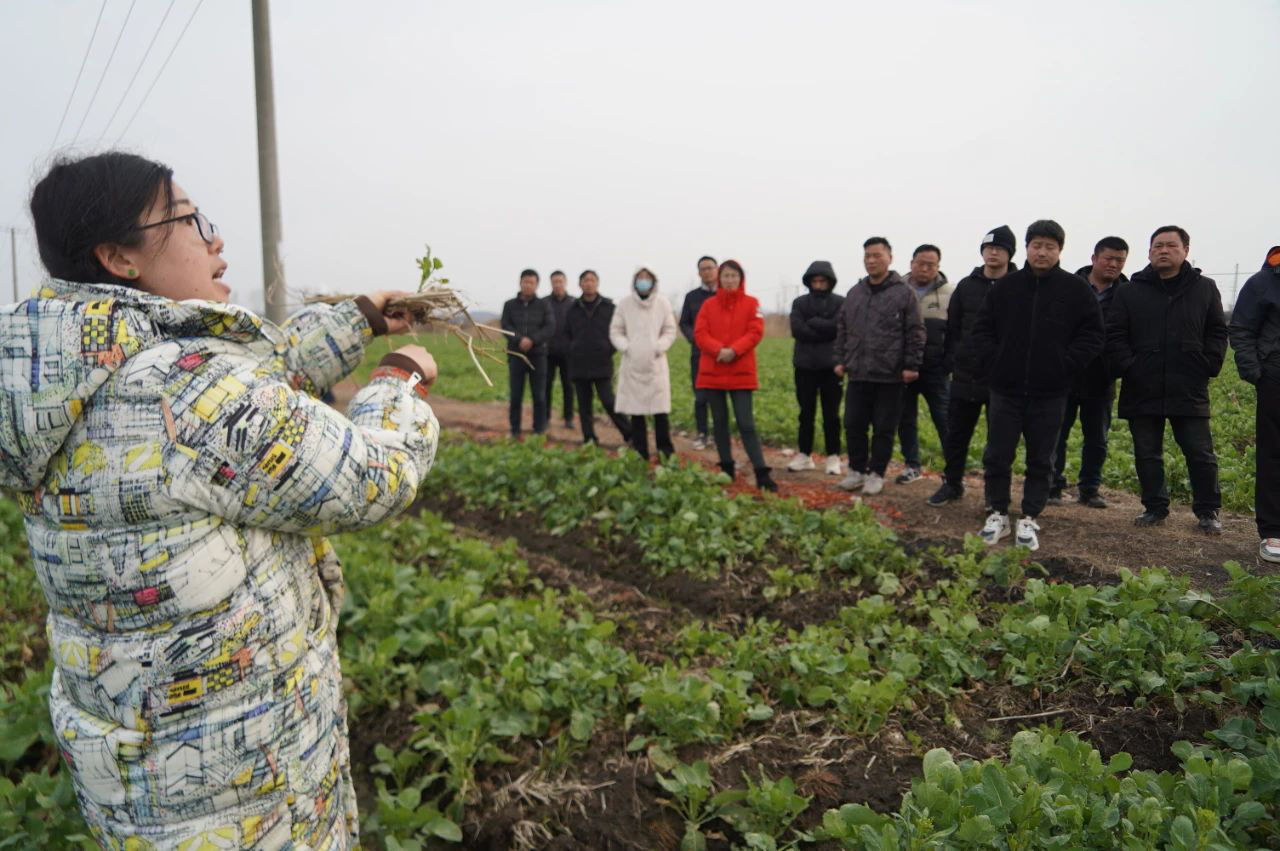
pixel 276 459
pixel 185 691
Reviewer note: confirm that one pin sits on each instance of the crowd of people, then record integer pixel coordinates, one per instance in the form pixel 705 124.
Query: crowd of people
pixel 1035 349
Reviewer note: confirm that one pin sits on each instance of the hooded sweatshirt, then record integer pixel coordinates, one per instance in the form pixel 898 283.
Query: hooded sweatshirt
pixel 729 319
pixel 813 321
pixel 643 329
pixel 177 476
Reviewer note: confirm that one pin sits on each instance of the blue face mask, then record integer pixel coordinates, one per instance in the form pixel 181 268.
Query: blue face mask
pixel 643 286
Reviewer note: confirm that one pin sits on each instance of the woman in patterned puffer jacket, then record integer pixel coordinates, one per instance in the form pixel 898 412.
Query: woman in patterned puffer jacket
pixel 177 474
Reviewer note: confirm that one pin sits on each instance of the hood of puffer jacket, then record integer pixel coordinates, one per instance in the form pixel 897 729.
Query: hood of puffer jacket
pixel 823 268
pixel 648 300
pixel 58 348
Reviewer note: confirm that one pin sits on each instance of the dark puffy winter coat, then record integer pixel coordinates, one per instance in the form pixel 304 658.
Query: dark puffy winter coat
pixel 879 332
pixel 962 314
pixel 1165 340
pixel 1036 332
pixel 813 321
pixel 1255 326
pixel 587 327
pixel 559 344
pixel 533 319
pixel 933 310
pixel 1095 381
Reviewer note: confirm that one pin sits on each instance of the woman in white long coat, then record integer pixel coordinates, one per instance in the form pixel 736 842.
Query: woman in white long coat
pixel 643 329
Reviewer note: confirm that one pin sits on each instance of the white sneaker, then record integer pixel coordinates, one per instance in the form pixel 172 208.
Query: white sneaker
pixel 700 442
pixel 1269 550
pixel 1027 537
pixel 997 527
pixel 853 481
pixel 875 484
pixel 833 465
pixel 800 463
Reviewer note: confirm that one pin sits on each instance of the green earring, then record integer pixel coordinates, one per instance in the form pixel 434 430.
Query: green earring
pixel 133 273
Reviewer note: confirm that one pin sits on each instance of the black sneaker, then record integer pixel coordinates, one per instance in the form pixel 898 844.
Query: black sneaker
pixel 1150 518
pixel 1210 524
pixel 1091 500
pixel 947 493
pixel 1055 496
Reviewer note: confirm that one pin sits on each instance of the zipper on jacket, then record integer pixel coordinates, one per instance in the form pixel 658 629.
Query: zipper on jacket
pixel 1035 306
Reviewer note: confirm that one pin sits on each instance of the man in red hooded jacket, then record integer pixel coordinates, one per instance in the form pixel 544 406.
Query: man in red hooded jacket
pixel 727 331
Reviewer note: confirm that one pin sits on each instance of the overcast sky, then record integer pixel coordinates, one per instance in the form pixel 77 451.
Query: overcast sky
pixel 607 135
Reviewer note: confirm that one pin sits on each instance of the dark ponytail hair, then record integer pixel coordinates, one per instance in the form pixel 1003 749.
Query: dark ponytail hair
pixel 81 204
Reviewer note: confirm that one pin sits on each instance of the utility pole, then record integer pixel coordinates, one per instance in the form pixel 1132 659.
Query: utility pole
pixel 13 261
pixel 273 286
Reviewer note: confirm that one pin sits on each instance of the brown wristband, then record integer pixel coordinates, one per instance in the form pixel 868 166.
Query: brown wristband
pixel 419 387
pixel 377 322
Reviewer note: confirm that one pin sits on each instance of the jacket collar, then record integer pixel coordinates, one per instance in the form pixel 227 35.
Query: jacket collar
pixel 190 318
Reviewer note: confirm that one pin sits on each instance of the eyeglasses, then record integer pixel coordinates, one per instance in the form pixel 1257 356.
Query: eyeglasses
pixel 207 229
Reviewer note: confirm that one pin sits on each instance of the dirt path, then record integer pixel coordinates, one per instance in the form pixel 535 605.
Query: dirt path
pixel 1099 539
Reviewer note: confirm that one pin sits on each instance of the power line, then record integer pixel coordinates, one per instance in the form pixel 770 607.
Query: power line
pixel 105 68
pixel 66 109
pixel 160 73
pixel 136 71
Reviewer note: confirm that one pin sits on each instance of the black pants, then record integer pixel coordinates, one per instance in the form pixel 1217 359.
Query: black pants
pixel 810 385
pixel 1009 420
pixel 602 387
pixel 1196 442
pixel 962 419
pixel 743 412
pixel 1095 422
pixel 935 388
pixel 560 364
pixel 661 435
pixel 517 372
pixel 700 404
pixel 1268 458
pixel 878 406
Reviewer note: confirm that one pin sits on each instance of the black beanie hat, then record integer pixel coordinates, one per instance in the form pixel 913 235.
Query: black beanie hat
pixel 1003 237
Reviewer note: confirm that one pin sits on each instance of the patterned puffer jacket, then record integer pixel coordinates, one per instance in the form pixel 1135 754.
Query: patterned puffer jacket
pixel 177 475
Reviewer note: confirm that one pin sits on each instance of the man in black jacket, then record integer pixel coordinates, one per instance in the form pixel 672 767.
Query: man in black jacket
pixel 880 346
pixel 1037 328
pixel 531 325
pixel 1255 335
pixel 708 272
pixel 933 290
pixel 1166 337
pixel 813 325
pixel 591 356
pixel 968 387
pixel 1094 388
pixel 558 348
